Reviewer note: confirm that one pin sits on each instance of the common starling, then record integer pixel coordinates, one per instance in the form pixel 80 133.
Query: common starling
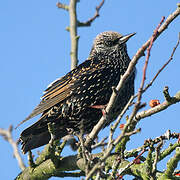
pixel 69 101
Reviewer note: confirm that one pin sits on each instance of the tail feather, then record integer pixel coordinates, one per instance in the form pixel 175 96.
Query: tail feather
pixel 38 135
pixel 34 141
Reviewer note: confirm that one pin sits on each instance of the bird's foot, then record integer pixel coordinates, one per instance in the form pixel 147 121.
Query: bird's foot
pixel 102 107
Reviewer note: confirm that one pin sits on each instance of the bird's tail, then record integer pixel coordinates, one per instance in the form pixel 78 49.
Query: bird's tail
pixel 38 135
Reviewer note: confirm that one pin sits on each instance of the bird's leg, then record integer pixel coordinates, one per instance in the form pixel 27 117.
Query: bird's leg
pixel 102 107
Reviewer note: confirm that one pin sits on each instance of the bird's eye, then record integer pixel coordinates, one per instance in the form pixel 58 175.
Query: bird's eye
pixel 115 41
pixel 112 43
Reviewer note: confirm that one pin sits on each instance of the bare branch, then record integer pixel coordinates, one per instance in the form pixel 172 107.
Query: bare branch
pixel 74 162
pixel 147 60
pixel 163 67
pixel 156 159
pixel 89 21
pixel 7 135
pixel 62 6
pixel 138 103
pixel 102 143
pixel 131 163
pixel 73 33
pixel 114 96
pixel 166 93
pixel 163 27
pixel 166 136
pixel 158 108
pixel 128 72
pixel 118 139
pixel 108 151
pixel 72 29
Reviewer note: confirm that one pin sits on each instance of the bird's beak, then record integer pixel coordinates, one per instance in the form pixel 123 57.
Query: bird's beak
pixel 126 37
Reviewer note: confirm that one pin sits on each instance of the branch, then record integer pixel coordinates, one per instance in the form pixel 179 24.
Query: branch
pixel 73 33
pixel 158 108
pixel 172 164
pixel 163 67
pixel 130 69
pixel 45 168
pixel 146 62
pixel 156 158
pixel 116 92
pixel 166 136
pixel 74 24
pixel 163 27
pixel 89 21
pixel 130 164
pixel 7 135
pixel 107 152
pixel 62 6
pixel 138 104
pixel 71 8
pixel 69 174
pixel 102 143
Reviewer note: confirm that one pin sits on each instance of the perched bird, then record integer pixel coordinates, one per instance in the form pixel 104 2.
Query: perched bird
pixel 69 102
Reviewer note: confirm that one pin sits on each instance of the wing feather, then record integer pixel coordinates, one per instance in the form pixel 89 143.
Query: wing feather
pixel 58 89
pixel 61 88
pixel 57 96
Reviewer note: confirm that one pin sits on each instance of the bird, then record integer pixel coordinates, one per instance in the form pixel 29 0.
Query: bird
pixel 71 102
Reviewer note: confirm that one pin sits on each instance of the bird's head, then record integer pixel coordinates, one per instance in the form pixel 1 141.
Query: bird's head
pixel 110 41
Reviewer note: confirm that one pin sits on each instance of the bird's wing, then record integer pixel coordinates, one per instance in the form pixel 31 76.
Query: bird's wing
pixel 61 89
pixel 55 93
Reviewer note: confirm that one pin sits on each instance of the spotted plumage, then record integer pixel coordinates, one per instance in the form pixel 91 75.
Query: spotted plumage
pixel 68 102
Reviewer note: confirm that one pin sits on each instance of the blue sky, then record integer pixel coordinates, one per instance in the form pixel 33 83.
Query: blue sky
pixel 35 50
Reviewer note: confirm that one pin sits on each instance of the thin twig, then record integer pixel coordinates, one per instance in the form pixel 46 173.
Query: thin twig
pixel 158 108
pixel 114 96
pixel 62 6
pixel 166 94
pixel 131 163
pixel 156 159
pixel 114 126
pixel 7 135
pixel 147 59
pixel 138 103
pixel 163 67
pixel 89 21
pixel 108 151
pixel 118 139
pixel 99 144
pixel 128 72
